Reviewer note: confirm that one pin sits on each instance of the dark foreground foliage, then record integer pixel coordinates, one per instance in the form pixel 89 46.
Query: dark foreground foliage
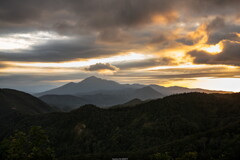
pixel 180 127
pixel 33 145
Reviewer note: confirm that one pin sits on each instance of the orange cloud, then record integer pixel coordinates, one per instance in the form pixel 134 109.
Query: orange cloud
pixel 165 18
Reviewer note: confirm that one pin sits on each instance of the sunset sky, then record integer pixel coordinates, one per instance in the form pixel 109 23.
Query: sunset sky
pixel 189 43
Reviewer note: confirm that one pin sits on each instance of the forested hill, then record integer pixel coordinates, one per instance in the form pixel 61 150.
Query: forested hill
pixel 208 124
pixel 13 100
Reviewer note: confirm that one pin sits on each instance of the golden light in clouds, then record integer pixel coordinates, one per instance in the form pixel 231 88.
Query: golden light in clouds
pixel 142 49
pixel 212 83
pixel 33 70
pixel 213 49
pixel 106 72
pixel 83 63
pixel 193 66
pixel 221 84
pixel 164 18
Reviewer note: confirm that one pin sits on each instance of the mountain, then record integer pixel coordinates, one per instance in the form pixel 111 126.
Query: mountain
pixel 133 102
pixel 64 102
pixel 93 85
pixel 130 103
pixel 205 124
pixel 146 93
pixel 89 84
pixel 15 105
pixel 105 93
pixel 104 98
pixel 13 100
pixel 176 90
pixel 110 98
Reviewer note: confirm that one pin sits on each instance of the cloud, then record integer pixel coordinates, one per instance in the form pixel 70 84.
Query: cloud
pixel 61 50
pixel 71 16
pixel 215 24
pixel 185 41
pixel 216 37
pixel 101 28
pixel 101 67
pixel 153 62
pixel 230 55
pixel 2 66
pixel 218 29
pixel 114 36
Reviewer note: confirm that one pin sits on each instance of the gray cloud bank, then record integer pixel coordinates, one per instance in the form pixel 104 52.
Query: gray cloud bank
pixel 100 21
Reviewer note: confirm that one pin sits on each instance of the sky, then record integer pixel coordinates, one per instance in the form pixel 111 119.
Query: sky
pixel 189 43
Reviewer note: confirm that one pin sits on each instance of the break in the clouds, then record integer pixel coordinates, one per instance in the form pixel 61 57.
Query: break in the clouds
pixel 230 55
pixel 129 38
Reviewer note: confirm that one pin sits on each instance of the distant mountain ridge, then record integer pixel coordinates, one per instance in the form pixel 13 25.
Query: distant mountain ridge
pixel 103 99
pixel 105 93
pixel 94 84
pixel 89 84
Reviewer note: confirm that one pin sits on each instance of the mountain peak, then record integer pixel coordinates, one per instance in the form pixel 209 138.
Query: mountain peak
pixel 93 79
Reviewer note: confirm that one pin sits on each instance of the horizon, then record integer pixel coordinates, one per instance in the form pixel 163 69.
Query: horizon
pixel 193 44
pixel 47 89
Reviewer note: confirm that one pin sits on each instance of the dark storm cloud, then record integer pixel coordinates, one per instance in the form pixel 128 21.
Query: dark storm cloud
pixel 230 55
pixel 158 39
pixel 216 24
pixel 123 13
pixel 101 66
pixel 94 13
pixel 219 36
pixel 199 8
pixel 64 15
pixel 63 50
pixel 219 30
pixel 109 18
pixel 115 35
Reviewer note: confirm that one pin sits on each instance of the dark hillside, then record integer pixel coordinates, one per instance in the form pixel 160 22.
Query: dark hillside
pixel 22 102
pixel 206 123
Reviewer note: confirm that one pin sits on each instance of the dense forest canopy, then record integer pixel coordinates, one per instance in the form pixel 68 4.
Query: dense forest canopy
pixel 206 126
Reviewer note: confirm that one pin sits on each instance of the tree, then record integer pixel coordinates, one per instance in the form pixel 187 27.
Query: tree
pixel 161 156
pixel 188 156
pixel 34 145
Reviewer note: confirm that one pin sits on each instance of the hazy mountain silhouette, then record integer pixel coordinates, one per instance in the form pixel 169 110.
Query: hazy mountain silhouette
pixel 130 103
pixel 94 85
pixel 104 98
pixel 105 93
pixel 64 102
pixel 146 93
pixel 89 84
pixel 176 90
